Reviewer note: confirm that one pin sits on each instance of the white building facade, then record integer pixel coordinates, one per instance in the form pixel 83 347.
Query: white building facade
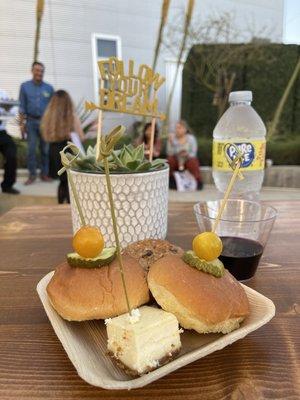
pixel 76 33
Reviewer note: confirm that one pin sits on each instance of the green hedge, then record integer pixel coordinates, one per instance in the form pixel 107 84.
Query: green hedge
pixel 284 152
pixel 205 151
pixel 266 76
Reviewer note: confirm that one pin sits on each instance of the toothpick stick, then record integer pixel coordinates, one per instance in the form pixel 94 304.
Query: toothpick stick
pixel 75 195
pixel 67 163
pixel 152 134
pixel 115 228
pixel 99 129
pixel 99 133
pixel 226 195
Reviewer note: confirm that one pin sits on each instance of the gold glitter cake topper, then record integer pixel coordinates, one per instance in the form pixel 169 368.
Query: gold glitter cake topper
pixel 128 93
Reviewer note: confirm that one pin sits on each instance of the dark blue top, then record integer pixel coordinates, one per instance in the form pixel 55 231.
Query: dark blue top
pixel 34 98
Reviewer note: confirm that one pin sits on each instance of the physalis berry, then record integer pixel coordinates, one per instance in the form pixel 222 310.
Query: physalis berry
pixel 88 242
pixel 207 246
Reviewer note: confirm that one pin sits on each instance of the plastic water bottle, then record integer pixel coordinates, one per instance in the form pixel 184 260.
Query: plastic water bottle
pixel 242 126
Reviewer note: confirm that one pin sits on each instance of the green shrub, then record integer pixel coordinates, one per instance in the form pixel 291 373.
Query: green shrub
pixel 266 79
pixel 284 151
pixel 205 151
pixel 21 153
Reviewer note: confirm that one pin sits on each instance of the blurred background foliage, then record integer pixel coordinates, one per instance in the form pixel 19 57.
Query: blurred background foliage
pixel 266 75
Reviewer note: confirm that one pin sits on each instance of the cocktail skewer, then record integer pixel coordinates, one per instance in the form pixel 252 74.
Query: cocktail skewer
pixel 235 165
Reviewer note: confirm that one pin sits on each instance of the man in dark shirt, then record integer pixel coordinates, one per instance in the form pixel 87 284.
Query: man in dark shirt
pixel 34 98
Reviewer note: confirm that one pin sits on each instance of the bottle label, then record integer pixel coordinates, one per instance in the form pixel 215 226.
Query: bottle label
pixel 253 154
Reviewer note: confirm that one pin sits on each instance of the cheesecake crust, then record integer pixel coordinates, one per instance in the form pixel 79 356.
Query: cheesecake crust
pixel 164 360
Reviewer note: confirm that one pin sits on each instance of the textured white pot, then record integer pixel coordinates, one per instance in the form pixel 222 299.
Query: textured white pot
pixel 141 203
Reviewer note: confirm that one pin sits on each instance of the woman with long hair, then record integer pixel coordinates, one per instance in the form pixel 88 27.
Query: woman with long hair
pixel 145 138
pixel 182 153
pixel 58 122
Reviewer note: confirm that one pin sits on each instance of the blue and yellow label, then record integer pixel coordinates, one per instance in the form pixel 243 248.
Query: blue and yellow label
pixel 253 154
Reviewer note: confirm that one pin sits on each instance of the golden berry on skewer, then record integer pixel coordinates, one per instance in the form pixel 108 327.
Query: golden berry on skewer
pixel 207 246
pixel 88 241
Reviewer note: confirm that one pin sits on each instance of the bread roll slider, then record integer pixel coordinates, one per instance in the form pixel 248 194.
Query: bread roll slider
pixel 80 294
pixel 205 302
pixel 89 285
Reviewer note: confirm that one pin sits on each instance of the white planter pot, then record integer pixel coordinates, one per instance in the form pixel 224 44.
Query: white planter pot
pixel 141 204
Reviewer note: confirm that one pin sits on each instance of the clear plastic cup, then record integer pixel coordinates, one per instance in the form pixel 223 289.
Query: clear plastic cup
pixel 244 228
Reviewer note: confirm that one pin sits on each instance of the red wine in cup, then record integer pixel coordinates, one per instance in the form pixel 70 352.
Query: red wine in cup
pixel 241 256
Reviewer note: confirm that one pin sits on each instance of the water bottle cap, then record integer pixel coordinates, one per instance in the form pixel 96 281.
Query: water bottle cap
pixel 242 95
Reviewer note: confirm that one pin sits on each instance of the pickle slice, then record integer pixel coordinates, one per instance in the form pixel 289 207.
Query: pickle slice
pixel 105 258
pixel 214 267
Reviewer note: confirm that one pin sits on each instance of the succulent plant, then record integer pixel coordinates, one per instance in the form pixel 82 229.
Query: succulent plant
pixel 128 159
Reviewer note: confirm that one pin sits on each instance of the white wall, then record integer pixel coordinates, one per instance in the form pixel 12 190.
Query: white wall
pixel 67 25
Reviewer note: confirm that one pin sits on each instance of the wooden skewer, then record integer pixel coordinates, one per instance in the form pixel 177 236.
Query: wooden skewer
pixel 227 193
pixel 99 130
pixel 66 162
pixel 99 133
pixel 153 121
pixel 76 198
pixel 115 228
pixel 152 133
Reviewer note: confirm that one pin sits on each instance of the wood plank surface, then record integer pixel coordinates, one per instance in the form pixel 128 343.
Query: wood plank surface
pixel 33 364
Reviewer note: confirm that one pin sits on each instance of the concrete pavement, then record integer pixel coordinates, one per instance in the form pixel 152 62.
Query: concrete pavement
pixel 41 193
pixel 209 192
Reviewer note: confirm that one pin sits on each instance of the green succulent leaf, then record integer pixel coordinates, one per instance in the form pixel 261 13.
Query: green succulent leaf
pixel 158 161
pixel 139 152
pixel 133 165
pixel 128 159
pixel 126 155
pixel 157 164
pixel 130 149
pixel 117 160
pixel 144 167
pixel 91 152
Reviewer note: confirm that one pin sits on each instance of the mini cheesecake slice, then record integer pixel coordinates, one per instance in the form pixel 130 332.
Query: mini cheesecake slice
pixel 144 340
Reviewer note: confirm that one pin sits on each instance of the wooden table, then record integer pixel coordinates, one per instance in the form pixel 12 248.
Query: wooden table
pixel 33 364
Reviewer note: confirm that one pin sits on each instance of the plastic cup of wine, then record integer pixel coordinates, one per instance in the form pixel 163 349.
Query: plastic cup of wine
pixel 244 229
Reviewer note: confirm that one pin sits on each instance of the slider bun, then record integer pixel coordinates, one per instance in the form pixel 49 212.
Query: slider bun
pixel 199 300
pixel 80 294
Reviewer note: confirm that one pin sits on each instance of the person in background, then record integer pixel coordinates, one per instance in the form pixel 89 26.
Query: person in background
pixel 57 125
pixel 182 153
pixel 9 152
pixel 35 95
pixel 145 138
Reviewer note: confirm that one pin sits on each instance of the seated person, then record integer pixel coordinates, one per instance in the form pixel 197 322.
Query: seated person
pixel 182 153
pixel 145 138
